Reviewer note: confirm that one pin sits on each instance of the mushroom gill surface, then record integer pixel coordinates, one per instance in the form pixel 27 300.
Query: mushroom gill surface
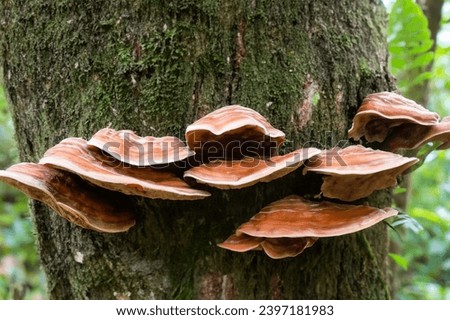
pixel 355 172
pixel 413 136
pixel 381 113
pixel 72 198
pixel 233 131
pixel 276 248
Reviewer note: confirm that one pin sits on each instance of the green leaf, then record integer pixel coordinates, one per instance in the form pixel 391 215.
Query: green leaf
pixel 429 215
pixel 408 222
pixel 409 43
pixel 399 260
pixel 423 153
pixel 399 190
pixel 421 78
pixel 422 60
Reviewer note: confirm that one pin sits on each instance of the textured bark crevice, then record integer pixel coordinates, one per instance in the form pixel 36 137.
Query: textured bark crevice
pixel 71 68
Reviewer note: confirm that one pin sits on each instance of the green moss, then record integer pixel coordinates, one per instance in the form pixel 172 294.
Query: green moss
pixel 364 70
pixel 316 99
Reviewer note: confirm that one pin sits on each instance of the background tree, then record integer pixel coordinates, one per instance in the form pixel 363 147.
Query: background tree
pixel 419 66
pixel 71 68
pixel 413 30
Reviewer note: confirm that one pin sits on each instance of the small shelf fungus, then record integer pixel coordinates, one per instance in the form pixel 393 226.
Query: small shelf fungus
pixel 237 174
pixel 72 198
pixel 128 147
pixel 355 172
pixel 413 136
pixel 382 113
pixel 233 131
pixel 73 155
pixel 286 227
pixel 275 248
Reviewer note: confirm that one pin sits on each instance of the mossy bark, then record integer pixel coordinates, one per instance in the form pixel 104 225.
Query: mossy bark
pixel 71 68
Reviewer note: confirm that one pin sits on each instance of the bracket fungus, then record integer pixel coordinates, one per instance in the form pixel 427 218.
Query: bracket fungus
pixel 128 147
pixel 355 172
pixel 288 226
pixel 73 155
pixel 413 136
pixel 382 112
pixel 276 248
pixel 296 217
pixel 233 131
pixel 279 248
pixel 87 183
pixel 237 174
pixel 72 198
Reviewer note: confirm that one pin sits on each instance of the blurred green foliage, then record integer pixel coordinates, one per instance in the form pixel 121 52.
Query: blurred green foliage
pixel 409 44
pixel 20 275
pixel 424 251
pixel 428 250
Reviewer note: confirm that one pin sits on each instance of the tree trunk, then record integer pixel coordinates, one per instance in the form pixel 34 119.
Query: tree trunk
pixel 73 67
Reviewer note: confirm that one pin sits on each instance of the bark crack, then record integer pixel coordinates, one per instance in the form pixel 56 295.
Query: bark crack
pixel 239 55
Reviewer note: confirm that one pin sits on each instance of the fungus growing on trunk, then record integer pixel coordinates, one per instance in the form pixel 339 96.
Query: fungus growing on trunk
pixel 72 198
pixel 355 172
pixel 381 113
pixel 279 248
pixel 237 174
pixel 288 226
pixel 296 217
pixel 73 155
pixel 233 131
pixel 276 248
pixel 413 136
pixel 126 146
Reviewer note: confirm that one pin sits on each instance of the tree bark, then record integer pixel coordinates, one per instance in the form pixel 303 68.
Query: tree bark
pixel 72 67
pixel 433 11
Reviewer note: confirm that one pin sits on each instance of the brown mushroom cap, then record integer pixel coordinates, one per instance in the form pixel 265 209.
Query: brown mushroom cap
pixel 279 248
pixel 380 112
pixel 234 130
pixel 236 174
pixel 72 198
pixel 276 248
pixel 355 172
pixel 73 155
pixel 295 217
pixel 130 148
pixel 413 136
pixel 241 243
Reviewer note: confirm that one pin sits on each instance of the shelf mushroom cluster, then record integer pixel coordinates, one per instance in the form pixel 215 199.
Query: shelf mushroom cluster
pixel 85 185
pixel 398 123
pixel 286 227
pixel 237 148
